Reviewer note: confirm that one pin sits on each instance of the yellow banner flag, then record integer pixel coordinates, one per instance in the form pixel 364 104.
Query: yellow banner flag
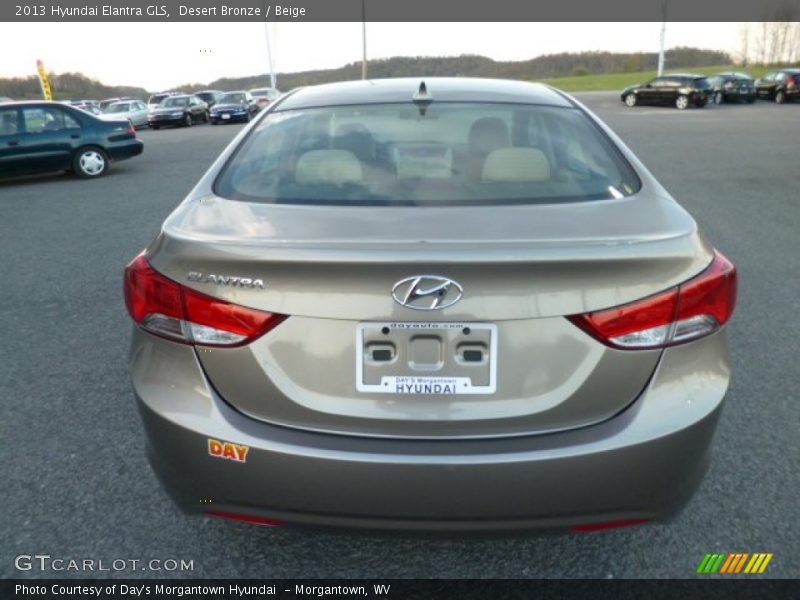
pixel 44 80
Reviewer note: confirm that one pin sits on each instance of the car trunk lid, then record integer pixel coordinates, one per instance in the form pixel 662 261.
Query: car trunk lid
pixel 522 366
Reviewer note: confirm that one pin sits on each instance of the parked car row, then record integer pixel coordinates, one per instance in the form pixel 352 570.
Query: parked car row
pixel 174 108
pixel 683 90
pixel 85 136
pixel 179 108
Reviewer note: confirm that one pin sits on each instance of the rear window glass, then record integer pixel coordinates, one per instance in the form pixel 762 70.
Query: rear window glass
pixel 447 154
pixel 176 101
pixel 233 99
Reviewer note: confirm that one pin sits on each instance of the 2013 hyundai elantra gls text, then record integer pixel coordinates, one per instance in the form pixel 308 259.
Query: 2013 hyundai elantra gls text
pixel 449 304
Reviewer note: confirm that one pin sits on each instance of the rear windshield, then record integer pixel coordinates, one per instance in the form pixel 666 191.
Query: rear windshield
pixel 445 154
pixel 157 98
pixel 176 101
pixel 233 99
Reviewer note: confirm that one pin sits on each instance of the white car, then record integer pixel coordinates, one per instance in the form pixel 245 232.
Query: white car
pixel 265 96
pixel 135 111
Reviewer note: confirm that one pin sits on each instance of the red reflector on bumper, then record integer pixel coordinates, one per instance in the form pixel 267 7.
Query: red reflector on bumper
pixel 607 525
pixel 246 518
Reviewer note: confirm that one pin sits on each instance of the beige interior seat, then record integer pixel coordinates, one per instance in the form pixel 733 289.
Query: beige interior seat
pixel 328 166
pixel 516 165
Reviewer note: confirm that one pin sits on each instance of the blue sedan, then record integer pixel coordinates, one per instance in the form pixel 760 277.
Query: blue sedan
pixel 234 106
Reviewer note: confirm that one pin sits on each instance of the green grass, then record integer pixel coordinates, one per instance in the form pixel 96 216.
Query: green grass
pixel 619 81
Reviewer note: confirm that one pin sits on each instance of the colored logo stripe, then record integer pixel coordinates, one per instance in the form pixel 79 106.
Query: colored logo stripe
pixel 711 563
pixel 733 563
pixel 758 563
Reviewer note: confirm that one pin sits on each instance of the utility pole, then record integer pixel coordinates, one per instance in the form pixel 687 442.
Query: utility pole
pixel 364 39
pixel 271 64
pixel 663 34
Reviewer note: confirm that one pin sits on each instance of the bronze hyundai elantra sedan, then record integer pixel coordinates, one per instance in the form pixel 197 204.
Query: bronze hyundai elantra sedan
pixel 440 304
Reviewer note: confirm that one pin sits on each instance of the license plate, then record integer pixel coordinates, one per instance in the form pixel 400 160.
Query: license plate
pixel 226 117
pixel 424 359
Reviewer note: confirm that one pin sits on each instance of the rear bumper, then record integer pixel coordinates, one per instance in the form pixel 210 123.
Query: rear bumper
pixel 127 150
pixel 159 120
pixel 645 463
pixel 738 95
pixel 229 116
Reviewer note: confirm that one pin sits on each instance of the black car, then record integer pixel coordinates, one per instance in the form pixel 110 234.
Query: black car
pixel 680 90
pixel 732 87
pixel 37 137
pixel 234 106
pixel 780 86
pixel 185 109
pixel 210 97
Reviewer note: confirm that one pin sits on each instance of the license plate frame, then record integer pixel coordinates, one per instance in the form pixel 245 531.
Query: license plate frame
pixel 422 384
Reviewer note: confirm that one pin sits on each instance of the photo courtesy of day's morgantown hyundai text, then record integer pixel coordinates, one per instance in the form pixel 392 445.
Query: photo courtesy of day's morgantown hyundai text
pixel 433 304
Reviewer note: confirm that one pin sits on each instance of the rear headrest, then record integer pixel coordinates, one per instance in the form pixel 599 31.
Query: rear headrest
pixel 328 166
pixel 357 139
pixel 516 164
pixel 487 134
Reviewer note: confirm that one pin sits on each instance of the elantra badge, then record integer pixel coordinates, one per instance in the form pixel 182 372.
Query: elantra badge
pixel 229 280
pixel 427 292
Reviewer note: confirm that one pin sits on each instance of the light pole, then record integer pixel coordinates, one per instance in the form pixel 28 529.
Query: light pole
pixel 663 34
pixel 364 39
pixel 269 56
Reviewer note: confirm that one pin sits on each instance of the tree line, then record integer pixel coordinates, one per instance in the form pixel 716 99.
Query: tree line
pixel 75 85
pixel 541 67
pixel 66 86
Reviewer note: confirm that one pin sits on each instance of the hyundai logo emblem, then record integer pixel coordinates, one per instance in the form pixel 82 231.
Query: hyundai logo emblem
pixel 426 292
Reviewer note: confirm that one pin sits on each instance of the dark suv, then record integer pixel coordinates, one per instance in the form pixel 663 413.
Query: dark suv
pixel 679 90
pixel 732 87
pixel 780 86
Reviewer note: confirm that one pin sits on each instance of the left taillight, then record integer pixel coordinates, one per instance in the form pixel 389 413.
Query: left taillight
pixel 694 309
pixel 167 309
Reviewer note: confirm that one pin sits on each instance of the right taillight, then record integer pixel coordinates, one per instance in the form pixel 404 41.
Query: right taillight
pixel 694 309
pixel 165 308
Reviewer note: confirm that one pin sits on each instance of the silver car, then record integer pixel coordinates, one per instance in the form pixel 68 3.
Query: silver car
pixel 133 110
pixel 450 304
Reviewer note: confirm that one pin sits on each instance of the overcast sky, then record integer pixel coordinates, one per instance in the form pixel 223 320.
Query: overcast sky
pixel 162 55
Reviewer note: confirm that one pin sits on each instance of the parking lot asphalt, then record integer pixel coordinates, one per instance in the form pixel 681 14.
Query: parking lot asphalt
pixel 76 484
